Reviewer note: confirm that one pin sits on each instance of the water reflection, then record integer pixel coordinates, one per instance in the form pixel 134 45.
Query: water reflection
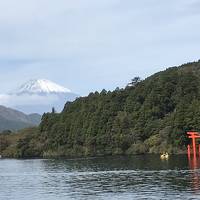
pixel 141 175
pixel 135 177
pixel 194 164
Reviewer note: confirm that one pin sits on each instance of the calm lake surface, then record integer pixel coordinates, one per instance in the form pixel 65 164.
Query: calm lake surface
pixel 136 177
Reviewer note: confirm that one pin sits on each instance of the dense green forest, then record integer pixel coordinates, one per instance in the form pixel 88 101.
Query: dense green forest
pixel 149 116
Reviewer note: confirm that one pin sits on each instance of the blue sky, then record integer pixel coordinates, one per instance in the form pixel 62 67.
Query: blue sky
pixel 88 45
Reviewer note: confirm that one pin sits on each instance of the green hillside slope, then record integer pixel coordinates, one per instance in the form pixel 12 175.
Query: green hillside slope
pixel 149 117
pixel 13 120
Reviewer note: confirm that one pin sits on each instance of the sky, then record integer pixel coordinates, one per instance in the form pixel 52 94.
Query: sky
pixel 88 45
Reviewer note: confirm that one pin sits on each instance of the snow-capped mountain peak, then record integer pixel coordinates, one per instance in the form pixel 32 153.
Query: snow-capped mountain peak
pixel 38 96
pixel 41 86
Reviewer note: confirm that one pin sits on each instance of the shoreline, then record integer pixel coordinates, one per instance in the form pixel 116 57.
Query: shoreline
pixel 89 157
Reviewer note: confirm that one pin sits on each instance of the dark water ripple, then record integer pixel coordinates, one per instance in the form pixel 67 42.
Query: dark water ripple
pixel 138 177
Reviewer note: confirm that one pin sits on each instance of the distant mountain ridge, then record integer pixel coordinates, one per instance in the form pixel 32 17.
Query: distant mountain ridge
pixel 13 120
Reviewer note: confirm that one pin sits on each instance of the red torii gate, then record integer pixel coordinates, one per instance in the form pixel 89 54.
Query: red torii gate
pixel 193 136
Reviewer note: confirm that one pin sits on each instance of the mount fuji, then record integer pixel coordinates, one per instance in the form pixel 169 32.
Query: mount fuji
pixel 41 86
pixel 38 96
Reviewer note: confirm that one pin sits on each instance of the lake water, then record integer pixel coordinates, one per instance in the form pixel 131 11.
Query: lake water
pixel 136 177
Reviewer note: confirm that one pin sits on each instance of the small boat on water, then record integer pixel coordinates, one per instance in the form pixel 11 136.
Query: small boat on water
pixel 164 156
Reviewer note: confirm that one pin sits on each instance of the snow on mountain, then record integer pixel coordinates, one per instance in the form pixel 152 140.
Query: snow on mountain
pixel 39 86
pixel 38 96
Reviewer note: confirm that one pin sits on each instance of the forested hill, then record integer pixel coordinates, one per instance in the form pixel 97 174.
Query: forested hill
pixel 12 120
pixel 149 116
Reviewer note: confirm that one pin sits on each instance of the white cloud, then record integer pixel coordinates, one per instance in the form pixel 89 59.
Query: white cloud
pixel 25 100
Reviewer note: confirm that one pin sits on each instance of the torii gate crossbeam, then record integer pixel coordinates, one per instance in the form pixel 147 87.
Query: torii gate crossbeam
pixel 193 136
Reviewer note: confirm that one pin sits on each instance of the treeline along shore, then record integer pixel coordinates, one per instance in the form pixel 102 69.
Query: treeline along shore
pixel 148 116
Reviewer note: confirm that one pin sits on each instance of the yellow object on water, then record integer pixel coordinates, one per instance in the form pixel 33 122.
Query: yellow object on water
pixel 164 156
